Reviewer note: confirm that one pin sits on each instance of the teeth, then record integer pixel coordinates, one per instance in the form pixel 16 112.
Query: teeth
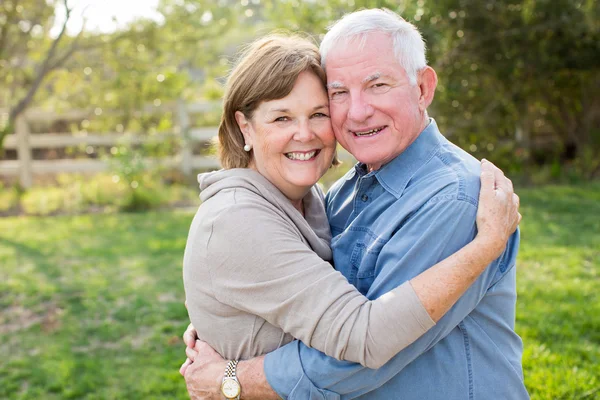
pixel 301 156
pixel 368 133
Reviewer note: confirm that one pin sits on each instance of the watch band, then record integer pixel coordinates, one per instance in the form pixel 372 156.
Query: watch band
pixel 231 368
pixel 230 387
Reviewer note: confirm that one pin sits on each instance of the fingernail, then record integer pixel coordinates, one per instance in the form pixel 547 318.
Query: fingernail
pixel 483 160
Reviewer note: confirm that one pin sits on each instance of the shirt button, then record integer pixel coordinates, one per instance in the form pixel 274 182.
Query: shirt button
pixel 364 197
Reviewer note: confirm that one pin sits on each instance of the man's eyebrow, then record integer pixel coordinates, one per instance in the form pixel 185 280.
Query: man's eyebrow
pixel 372 77
pixel 335 85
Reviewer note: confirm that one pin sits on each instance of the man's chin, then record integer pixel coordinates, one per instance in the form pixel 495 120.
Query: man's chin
pixel 370 158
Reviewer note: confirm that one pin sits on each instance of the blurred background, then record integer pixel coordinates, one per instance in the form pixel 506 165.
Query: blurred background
pixel 108 110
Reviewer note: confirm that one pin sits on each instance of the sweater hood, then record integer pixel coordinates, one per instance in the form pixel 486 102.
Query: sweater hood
pixel 315 219
pixel 212 183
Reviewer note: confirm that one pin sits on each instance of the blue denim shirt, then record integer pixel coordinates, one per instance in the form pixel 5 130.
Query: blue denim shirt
pixel 388 226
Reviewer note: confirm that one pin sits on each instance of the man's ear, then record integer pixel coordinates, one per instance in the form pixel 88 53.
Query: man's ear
pixel 244 125
pixel 427 81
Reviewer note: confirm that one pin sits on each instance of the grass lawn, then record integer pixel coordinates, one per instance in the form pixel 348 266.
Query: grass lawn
pixel 91 307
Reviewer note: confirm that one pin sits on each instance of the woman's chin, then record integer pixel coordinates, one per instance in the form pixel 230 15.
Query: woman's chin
pixel 304 182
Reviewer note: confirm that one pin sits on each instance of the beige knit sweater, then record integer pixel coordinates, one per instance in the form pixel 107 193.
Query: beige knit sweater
pixel 257 274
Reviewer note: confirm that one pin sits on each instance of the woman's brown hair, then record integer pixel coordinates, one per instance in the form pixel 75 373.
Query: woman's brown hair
pixel 267 70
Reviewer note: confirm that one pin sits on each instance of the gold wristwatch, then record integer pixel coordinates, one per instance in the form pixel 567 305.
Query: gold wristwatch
pixel 231 387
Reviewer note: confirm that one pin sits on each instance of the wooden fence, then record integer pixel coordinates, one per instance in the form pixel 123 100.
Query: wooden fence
pixel 25 167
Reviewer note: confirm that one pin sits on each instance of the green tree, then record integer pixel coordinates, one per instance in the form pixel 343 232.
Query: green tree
pixel 522 71
pixel 28 55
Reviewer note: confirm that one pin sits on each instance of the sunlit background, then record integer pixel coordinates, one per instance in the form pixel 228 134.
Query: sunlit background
pixel 107 113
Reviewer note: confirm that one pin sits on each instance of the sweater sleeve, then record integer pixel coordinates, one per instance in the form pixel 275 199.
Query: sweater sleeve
pixel 259 264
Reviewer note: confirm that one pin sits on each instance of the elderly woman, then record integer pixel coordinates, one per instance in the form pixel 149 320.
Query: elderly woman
pixel 257 267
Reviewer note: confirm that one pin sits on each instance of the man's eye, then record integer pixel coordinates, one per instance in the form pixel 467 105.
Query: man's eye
pixel 339 93
pixel 380 87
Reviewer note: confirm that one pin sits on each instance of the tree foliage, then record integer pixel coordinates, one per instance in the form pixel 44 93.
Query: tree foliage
pixel 519 79
pixel 27 53
pixel 526 72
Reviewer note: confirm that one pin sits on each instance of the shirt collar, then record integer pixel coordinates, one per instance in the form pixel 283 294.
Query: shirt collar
pixel 394 176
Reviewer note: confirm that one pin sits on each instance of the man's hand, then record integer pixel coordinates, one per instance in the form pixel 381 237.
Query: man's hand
pixel 189 338
pixel 204 369
pixel 498 212
pixel 203 372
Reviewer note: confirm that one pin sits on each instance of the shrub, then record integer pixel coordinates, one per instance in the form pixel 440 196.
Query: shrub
pixel 43 200
pixel 9 199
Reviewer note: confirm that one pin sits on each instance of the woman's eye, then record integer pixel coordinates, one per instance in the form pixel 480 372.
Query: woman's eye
pixel 281 119
pixel 320 115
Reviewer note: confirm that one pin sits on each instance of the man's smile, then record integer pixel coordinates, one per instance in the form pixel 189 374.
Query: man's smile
pixel 368 132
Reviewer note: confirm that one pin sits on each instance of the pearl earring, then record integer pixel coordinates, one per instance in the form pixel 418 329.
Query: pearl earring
pixel 247 147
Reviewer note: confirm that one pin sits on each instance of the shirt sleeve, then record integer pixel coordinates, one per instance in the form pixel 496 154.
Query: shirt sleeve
pixel 436 231
pixel 259 264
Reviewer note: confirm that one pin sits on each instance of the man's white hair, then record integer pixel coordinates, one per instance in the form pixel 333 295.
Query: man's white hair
pixel 409 46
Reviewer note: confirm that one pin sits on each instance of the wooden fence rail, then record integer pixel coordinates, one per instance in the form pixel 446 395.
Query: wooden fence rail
pixel 25 167
pixel 24 142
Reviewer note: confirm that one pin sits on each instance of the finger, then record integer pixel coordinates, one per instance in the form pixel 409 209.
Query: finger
pixel 510 184
pixel 501 181
pixel 206 353
pixel 184 366
pixel 516 200
pixel 191 353
pixel 519 219
pixel 516 223
pixel 487 178
pixel 189 336
pixel 204 348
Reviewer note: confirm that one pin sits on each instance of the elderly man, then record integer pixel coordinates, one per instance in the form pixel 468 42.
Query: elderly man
pixel 410 202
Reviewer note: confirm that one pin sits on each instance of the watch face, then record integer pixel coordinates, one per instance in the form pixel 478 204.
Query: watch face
pixel 230 388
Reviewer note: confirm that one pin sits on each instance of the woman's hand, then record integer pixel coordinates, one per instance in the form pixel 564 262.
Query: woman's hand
pixel 498 212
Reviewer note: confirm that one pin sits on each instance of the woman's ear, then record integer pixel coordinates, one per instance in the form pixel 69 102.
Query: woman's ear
pixel 244 125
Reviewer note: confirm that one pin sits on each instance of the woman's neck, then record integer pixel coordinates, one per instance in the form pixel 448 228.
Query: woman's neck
pixel 294 194
pixel 298 205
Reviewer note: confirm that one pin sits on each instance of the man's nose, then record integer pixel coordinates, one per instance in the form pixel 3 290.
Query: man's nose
pixel 360 109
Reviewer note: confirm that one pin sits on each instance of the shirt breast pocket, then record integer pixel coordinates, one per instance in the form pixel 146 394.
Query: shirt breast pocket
pixel 364 259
